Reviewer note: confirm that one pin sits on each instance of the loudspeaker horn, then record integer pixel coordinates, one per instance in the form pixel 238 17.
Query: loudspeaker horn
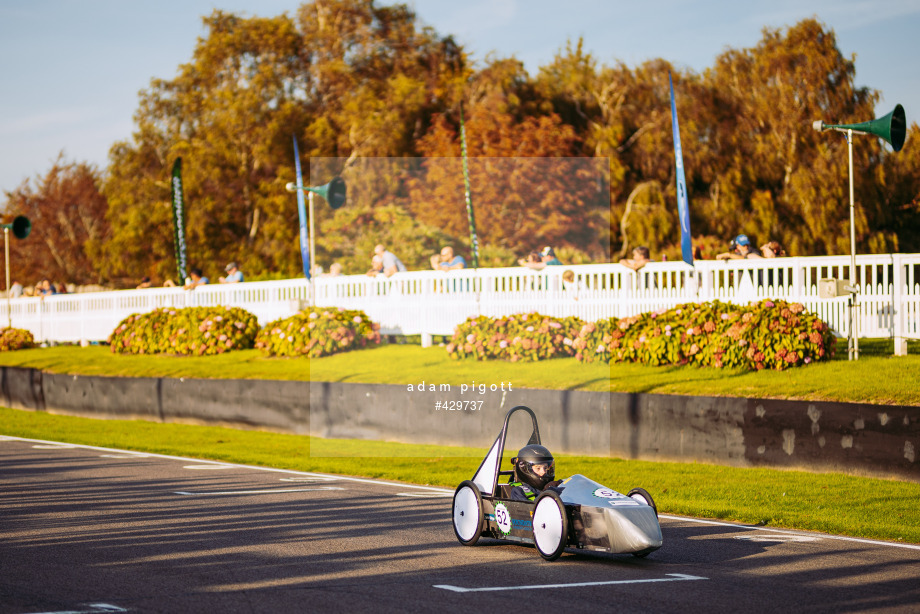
pixel 20 225
pixel 892 127
pixel 334 192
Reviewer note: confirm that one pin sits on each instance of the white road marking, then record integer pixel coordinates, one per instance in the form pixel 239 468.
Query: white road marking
pixel 675 577
pixel 209 467
pixel 268 491
pixel 439 489
pixel 308 480
pixel 425 495
pixel 777 538
pixel 858 540
pixel 122 456
pixel 97 608
pixel 54 446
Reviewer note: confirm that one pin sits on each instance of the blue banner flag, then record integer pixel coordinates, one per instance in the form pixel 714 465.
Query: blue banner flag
pixel 683 205
pixel 302 215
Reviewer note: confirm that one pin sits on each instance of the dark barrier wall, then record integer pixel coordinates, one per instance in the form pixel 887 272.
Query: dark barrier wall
pixel 849 437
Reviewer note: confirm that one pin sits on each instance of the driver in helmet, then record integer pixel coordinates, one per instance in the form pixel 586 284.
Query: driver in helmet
pixel 534 472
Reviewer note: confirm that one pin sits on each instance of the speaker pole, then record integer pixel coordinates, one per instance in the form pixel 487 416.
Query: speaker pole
pixel 892 128
pixel 6 262
pixel 853 338
pixel 312 252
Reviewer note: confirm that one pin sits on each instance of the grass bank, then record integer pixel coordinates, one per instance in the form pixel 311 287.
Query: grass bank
pixel 833 503
pixel 877 377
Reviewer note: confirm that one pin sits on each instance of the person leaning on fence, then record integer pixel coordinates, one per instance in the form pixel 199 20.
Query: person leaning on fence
pixel 739 249
pixel 234 274
pixel 195 279
pixel 447 261
pixel 772 249
pixel 532 261
pixel 640 257
pixel 391 264
pixel 376 265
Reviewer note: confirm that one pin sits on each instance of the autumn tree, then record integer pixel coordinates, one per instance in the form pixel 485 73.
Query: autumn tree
pixel 67 212
pixel 780 176
pixel 527 188
pixel 229 114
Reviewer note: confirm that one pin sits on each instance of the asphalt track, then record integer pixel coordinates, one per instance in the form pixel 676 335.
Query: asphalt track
pixel 87 529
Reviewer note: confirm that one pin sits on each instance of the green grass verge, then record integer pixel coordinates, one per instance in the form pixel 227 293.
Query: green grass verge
pixel 877 377
pixel 827 502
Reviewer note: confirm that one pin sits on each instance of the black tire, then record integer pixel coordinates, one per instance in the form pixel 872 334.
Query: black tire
pixel 641 492
pixel 550 525
pixel 467 513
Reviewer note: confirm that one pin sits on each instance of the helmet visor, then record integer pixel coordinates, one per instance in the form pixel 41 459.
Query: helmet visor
pixel 542 468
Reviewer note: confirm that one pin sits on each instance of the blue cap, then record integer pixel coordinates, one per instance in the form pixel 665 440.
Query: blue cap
pixel 742 240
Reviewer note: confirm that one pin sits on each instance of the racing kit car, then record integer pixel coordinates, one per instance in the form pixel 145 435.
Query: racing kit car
pixel 578 513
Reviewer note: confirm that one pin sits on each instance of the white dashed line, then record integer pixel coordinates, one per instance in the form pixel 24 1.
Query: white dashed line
pixel 269 491
pixel 446 491
pixel 95 608
pixel 858 540
pixel 209 467
pixel 675 577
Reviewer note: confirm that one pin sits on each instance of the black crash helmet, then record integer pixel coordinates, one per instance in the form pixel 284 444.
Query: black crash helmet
pixel 534 465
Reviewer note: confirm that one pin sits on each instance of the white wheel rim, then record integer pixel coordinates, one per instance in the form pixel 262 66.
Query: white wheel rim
pixel 466 513
pixel 547 525
pixel 639 498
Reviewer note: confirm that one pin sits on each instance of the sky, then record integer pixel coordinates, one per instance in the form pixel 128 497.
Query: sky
pixel 71 70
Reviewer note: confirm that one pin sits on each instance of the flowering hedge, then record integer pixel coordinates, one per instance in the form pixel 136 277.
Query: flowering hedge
pixel 15 339
pixel 527 337
pixel 766 335
pixel 593 341
pixel 318 331
pixel 192 331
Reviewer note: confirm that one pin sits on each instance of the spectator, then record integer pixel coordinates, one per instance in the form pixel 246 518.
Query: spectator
pixel 234 274
pixel 391 264
pixel 196 279
pixel 739 249
pixel 16 289
pixel 169 284
pixel 335 269
pixel 570 286
pixel 60 288
pixel 640 257
pixel 44 288
pixel 539 261
pixel 532 261
pixel 447 261
pixel 145 283
pixel 548 256
pixel 376 265
pixel 772 249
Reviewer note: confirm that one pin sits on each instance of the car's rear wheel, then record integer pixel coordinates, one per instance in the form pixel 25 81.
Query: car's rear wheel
pixel 550 525
pixel 467 513
pixel 641 495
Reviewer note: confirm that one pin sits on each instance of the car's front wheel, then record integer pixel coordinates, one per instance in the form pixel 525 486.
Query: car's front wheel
pixel 550 525
pixel 467 513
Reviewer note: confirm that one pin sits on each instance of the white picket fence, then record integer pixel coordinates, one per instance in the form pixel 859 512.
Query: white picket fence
pixel 434 302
